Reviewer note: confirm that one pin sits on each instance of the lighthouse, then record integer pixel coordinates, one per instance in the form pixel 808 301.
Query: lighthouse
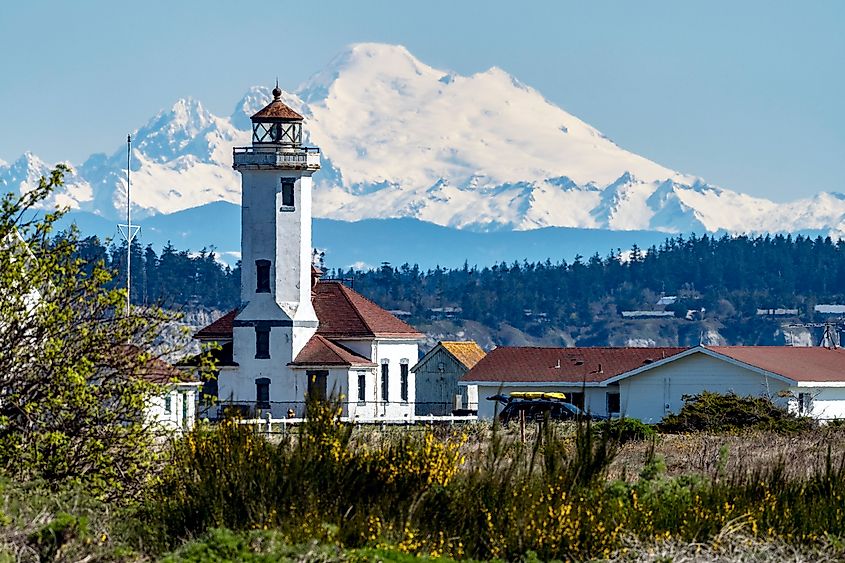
pixel 294 336
pixel 277 317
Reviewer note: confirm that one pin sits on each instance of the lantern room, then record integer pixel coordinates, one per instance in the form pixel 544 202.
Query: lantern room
pixel 277 124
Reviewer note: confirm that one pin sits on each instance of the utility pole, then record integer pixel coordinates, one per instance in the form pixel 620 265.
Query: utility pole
pixel 128 231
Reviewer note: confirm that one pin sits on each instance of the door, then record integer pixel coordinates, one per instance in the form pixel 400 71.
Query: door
pixel 318 381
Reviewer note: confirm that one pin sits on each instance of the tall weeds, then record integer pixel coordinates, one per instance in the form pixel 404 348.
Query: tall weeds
pixel 415 491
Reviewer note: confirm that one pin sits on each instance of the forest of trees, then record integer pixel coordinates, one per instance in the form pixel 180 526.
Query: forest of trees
pixel 176 279
pixel 728 276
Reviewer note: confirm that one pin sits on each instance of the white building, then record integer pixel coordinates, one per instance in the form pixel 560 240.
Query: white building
pixel 174 406
pixel 649 383
pixel 293 335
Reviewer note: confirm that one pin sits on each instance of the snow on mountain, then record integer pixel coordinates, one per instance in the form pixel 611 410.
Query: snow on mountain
pixel 24 174
pixel 400 138
pixel 181 158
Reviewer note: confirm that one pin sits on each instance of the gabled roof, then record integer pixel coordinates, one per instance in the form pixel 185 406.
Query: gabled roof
pixel 797 363
pixel 562 365
pixel 467 352
pixel 345 313
pixel 793 365
pixel 320 351
pixel 153 370
pixel 221 329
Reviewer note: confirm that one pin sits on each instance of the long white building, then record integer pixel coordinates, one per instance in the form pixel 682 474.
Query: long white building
pixel 649 383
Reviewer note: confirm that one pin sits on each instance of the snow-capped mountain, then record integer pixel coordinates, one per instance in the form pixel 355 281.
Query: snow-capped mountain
pixel 400 138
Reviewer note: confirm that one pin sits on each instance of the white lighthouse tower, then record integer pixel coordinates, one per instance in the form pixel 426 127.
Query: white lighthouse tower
pixel 277 317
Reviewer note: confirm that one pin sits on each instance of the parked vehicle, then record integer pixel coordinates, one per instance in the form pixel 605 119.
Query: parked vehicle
pixel 538 407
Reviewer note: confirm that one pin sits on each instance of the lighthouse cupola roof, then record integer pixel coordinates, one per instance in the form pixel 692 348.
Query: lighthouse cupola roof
pixel 276 123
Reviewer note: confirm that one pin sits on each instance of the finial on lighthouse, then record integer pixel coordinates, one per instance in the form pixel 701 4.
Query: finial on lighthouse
pixel 277 92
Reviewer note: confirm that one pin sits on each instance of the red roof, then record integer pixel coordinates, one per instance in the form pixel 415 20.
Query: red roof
pixel 276 110
pixel 321 351
pixel 220 329
pixel 562 365
pixel 344 313
pixel 798 364
pixel 153 369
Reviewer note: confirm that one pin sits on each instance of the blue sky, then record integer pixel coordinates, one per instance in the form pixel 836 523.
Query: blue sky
pixel 748 95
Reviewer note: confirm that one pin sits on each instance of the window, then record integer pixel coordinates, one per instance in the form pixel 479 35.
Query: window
pixel 403 381
pixel 576 399
pixel 805 403
pixel 262 276
pixel 287 194
pixel 184 411
pixel 385 375
pixel 362 387
pixel 318 384
pixel 262 342
pixel 613 403
pixel 168 404
pixel 262 393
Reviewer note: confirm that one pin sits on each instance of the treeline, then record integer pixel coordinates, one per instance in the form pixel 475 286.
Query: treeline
pixel 727 276
pixel 174 279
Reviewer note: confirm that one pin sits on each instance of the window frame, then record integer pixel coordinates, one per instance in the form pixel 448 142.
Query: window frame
pixel 288 191
pixel 362 387
pixel 313 376
pixel 262 342
pixel 262 384
pixel 404 378
pixel 385 381
pixel 262 276
pixel 618 401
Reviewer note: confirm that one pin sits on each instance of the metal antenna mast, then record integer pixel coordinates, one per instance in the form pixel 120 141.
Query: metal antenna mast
pixel 128 231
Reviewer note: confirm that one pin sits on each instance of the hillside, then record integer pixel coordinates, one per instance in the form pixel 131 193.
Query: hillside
pixel 713 287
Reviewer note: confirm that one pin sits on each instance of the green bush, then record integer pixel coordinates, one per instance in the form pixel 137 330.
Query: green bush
pixel 713 412
pixel 627 429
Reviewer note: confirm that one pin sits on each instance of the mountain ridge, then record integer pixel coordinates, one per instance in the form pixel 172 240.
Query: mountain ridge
pixel 403 139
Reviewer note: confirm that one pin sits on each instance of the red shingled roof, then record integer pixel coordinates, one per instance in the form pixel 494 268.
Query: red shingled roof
pixel 219 329
pixel 276 110
pixel 320 351
pixel 798 364
pixel 344 313
pixel 562 365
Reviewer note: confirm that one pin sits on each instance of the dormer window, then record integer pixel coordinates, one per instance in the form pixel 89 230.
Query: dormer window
pixel 288 203
pixel 262 276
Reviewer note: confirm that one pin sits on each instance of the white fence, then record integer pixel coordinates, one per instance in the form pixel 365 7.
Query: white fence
pixel 267 423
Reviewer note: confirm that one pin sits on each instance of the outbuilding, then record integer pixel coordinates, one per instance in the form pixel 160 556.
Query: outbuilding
pixel 438 373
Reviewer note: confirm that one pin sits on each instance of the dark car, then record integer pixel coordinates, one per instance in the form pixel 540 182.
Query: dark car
pixel 542 409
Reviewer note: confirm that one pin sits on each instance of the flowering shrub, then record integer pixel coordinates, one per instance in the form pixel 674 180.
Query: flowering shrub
pixel 415 492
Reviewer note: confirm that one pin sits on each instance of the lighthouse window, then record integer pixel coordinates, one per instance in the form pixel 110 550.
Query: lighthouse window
pixel 262 393
pixel 287 194
pixel 262 342
pixel 262 274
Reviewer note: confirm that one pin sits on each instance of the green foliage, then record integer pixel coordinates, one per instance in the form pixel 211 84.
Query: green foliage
pixel 73 362
pixel 627 429
pixel 54 535
pixel 714 412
